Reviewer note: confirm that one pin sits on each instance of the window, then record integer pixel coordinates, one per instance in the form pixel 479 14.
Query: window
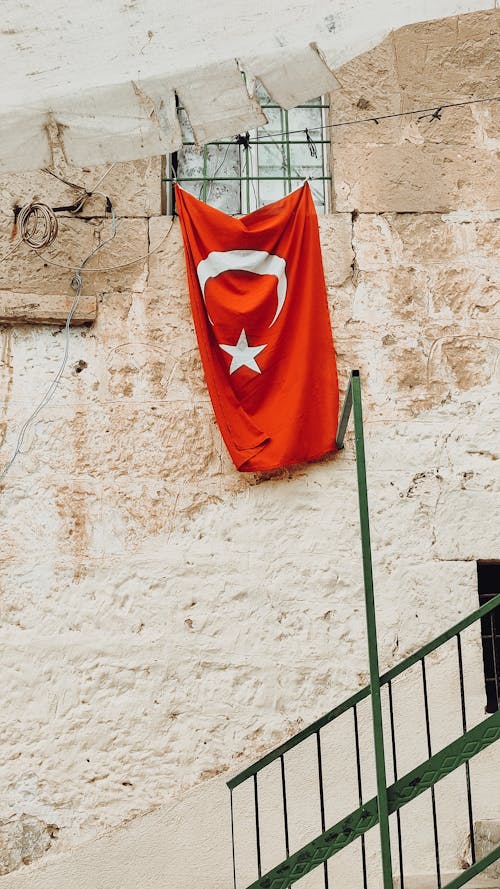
pixel 488 576
pixel 241 174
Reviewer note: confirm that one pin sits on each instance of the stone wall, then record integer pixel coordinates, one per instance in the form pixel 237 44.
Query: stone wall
pixel 166 619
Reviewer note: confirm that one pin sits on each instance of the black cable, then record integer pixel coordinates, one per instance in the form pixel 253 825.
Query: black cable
pixel 434 112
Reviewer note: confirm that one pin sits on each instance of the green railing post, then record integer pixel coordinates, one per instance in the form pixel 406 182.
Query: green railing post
pixel 371 629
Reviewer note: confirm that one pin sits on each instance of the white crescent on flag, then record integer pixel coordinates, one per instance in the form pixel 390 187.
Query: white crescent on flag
pixel 257 261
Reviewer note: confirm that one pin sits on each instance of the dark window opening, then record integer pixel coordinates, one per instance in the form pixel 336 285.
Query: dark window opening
pixel 488 577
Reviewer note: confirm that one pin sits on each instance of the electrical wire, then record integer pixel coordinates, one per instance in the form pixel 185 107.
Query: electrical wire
pixel 213 177
pixel 11 251
pixel 37 225
pixel 434 112
pixel 77 286
pixel 113 268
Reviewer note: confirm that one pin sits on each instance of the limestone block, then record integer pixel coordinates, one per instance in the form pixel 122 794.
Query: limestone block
pixel 409 178
pixel 464 293
pixel 38 354
pixel 134 188
pixel 487 236
pixel 335 233
pixel 456 251
pixel 125 439
pixel 30 308
pixel 487 132
pixel 23 839
pixel 447 60
pixel 475 451
pixel 415 163
pixel 393 297
pixel 376 243
pixel 167 267
pixel 457 295
pixel 27 271
pixel 487 838
pixel 466 525
pixel 369 85
pixel 464 360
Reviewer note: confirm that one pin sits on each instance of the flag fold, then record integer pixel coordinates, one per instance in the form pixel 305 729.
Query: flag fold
pixel 260 312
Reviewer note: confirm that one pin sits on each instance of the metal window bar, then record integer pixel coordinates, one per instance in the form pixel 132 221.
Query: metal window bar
pixel 371 634
pixel 239 178
pixel 264 104
pixel 230 142
pixel 495 664
pixel 248 180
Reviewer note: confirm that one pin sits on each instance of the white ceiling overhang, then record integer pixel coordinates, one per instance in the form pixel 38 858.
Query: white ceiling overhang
pixel 98 79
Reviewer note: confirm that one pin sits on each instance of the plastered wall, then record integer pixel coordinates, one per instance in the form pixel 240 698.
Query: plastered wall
pixel 164 619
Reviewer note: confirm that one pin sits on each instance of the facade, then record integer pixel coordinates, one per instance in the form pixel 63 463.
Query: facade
pixel 166 620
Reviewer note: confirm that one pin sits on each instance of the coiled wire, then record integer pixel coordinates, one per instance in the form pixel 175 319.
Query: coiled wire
pixel 37 225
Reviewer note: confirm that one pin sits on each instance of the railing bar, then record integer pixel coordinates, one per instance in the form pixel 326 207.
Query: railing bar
pixel 321 799
pixel 232 841
pixel 300 736
pixel 371 635
pixel 406 789
pixel 439 640
pixel 257 826
pixel 474 870
pixel 395 770
pixel 285 806
pixel 344 416
pixel 433 794
pixel 467 767
pixel 363 693
pixel 360 794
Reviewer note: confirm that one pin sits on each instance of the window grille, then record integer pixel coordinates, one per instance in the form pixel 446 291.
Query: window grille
pixel 488 574
pixel 241 174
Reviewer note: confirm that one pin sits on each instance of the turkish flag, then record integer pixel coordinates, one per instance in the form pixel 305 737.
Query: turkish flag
pixel 259 305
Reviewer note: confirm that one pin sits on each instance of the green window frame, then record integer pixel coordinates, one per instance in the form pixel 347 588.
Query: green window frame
pixel 241 174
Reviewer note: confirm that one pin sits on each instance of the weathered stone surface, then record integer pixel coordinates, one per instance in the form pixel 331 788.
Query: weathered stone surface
pixel 51 270
pixel 167 268
pixel 405 177
pixel 134 189
pixel 23 839
pixel 369 85
pixel 415 163
pixel 33 308
pixel 487 838
pixel 335 233
pixel 448 60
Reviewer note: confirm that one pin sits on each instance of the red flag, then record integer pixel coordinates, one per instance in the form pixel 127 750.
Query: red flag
pixel 259 304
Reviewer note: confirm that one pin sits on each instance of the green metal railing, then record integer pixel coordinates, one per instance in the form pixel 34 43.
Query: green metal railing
pixel 389 799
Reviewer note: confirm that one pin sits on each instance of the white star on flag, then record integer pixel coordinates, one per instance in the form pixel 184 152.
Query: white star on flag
pixel 242 354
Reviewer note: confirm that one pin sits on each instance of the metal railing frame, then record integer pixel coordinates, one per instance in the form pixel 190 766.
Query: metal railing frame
pixel 388 799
